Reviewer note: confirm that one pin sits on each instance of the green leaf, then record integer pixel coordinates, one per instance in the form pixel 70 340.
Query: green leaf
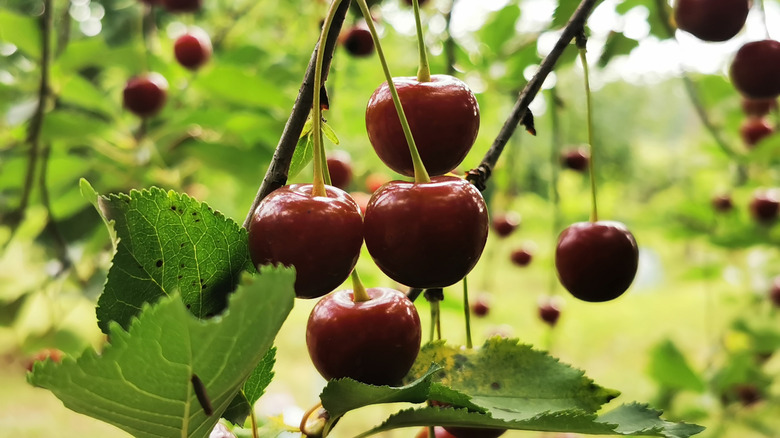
pixel 489 376
pixel 617 44
pixel 145 380
pixel 633 419
pixel 83 93
pixel 657 27
pixel 330 134
pixel 563 12
pixel 169 243
pixel 500 28
pixel 670 369
pixel 238 410
pixel 21 31
pixel 68 125
pixel 261 377
pixel 764 335
pixel 254 90
pixel 304 153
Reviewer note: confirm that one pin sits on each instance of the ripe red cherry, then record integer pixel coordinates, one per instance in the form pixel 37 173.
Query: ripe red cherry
pixel 774 292
pixel 505 224
pixel 426 235
pixel 176 6
pixel 722 203
pixel 358 41
pixel 443 115
pixel 765 206
pixel 711 20
pixel 549 311
pixel 438 432
pixel 481 307
pixel 193 49
pixel 320 236
pixel 758 107
pixel 374 341
pixel 145 95
pixel 340 169
pixel 753 130
pixel 596 261
pixel 576 159
pixel 755 71
pixel 521 257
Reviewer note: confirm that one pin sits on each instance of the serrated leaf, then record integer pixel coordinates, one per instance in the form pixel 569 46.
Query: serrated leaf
pixel 261 377
pixel 304 152
pixel 142 382
pixel 238 410
pixel 169 243
pixel 330 134
pixel 669 368
pixel 633 419
pixel 89 193
pixel 489 376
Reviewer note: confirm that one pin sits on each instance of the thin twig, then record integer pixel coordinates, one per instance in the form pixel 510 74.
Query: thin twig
pixel 576 23
pixel 692 91
pixel 276 175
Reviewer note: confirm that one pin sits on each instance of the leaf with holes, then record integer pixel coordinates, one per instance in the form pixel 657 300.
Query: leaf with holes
pixel 171 374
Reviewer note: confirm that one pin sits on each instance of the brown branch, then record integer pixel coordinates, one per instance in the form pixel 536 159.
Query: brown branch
pixel 276 175
pixel 576 24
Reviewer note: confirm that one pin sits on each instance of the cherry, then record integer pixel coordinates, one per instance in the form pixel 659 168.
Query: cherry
pixel 722 203
pixel 426 235
pixel 193 49
pixel 145 95
pixel 596 261
pixel 182 5
pixel 747 394
pixel 374 341
pixel 774 292
pixel 376 180
pixel 320 236
pixel 711 20
pixel 481 307
pixel 474 432
pixel 505 224
pixel 340 169
pixel 576 159
pixel 549 311
pixel 765 206
pixel 521 257
pixel 47 353
pixel 358 41
pixel 755 70
pixel 438 432
pixel 443 115
pixel 758 107
pixel 753 130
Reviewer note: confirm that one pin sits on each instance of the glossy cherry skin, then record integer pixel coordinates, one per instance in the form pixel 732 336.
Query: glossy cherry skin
pixel 320 236
pixel 358 41
pixel 193 49
pixel 755 70
pixel 576 159
pixel 722 203
pixel 145 95
pixel 758 107
pixel 521 257
pixel 596 261
pixel 340 169
pixel 374 341
pixel 505 224
pixel 711 20
pixel 765 206
pixel 444 118
pixel 176 6
pixel 753 130
pixel 426 235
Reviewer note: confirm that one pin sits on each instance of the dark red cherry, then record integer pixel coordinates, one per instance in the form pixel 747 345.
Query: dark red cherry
pixel 177 6
pixel 521 257
pixel 722 203
pixel 320 236
pixel 358 41
pixel 481 306
pixel 340 169
pixel 193 49
pixel 504 224
pixel 753 130
pixel 550 311
pixel 711 20
pixel 774 292
pixel 374 341
pixel 765 206
pixel 758 107
pixel 596 261
pixel 576 158
pixel 145 95
pixel 755 70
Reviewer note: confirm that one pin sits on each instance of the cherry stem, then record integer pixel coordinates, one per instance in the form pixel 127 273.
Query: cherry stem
pixel 424 69
pixel 555 196
pixel 253 419
pixel 420 174
pixel 320 164
pixel 359 293
pixel 467 312
pixel 431 432
pixel 581 43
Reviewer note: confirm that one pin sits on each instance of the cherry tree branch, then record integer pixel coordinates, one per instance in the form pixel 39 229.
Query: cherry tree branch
pixel 576 25
pixel 276 175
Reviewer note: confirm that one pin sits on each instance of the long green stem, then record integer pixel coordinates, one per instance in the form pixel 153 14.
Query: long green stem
pixel 359 293
pixel 424 69
pixel 420 174
pixel 253 418
pixel 555 196
pixel 320 165
pixel 467 311
pixel 594 216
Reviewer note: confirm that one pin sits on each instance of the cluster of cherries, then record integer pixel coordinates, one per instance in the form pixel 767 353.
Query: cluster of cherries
pixel 145 95
pixel 755 69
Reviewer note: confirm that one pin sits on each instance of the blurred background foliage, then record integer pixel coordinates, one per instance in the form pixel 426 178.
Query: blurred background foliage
pixel 695 333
